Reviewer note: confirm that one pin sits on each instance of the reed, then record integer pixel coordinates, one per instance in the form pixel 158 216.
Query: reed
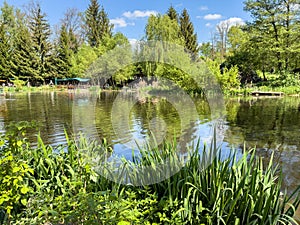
pixel 60 185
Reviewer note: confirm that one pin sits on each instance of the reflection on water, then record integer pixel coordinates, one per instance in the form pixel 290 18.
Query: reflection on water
pixel 51 110
pixel 126 122
pixel 270 124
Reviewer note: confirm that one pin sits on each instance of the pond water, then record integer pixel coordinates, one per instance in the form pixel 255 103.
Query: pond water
pixel 269 124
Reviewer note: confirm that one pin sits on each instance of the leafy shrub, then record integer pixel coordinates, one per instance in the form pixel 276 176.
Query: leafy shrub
pixel 18 83
pixel 285 80
pixel 14 187
pixel 228 79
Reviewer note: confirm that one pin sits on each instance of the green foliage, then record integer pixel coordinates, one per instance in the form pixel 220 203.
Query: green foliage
pixel 181 78
pixel 117 39
pixel 114 64
pixel 8 14
pixel 65 50
pixel 274 32
pixel 188 34
pixel 228 79
pixel 285 80
pixel 246 54
pixel 14 187
pixel 162 28
pixel 96 24
pixel 172 60
pixel 172 14
pixel 205 50
pixel 8 32
pixel 4 53
pixel 40 31
pixel 14 171
pixel 58 185
pixel 23 59
pixel 85 56
pixel 254 200
pixel 18 83
pixel 269 43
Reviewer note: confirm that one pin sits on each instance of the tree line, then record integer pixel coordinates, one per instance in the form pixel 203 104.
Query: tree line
pixel 269 43
pixel 31 51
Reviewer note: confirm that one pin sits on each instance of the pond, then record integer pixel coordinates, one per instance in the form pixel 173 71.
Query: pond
pixel 269 124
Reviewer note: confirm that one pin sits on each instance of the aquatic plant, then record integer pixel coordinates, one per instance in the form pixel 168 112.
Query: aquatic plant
pixel 58 185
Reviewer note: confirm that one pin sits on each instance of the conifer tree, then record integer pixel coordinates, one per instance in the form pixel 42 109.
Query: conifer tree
pixel 97 24
pixel 4 53
pixel 40 32
pixel 24 58
pixel 105 26
pixel 187 32
pixel 172 13
pixel 65 50
pixel 7 38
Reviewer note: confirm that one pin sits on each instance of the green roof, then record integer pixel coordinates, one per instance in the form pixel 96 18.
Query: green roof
pixel 73 79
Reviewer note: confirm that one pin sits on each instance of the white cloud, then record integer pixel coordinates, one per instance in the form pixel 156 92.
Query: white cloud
pixel 203 8
pixel 208 25
pixel 233 21
pixel 139 14
pixel 212 16
pixel 120 22
pixel 132 41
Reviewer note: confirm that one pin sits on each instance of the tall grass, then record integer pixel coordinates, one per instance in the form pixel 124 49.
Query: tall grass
pixel 231 191
pixel 63 187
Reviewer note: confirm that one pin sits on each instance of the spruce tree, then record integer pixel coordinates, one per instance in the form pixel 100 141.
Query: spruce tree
pixel 65 49
pixel 24 58
pixel 187 32
pixel 172 13
pixel 105 26
pixel 7 38
pixel 4 53
pixel 40 32
pixel 96 24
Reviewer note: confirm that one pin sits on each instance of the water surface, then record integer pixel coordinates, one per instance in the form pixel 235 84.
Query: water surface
pixel 272 125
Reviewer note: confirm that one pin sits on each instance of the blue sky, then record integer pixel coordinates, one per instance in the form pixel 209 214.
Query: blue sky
pixel 131 16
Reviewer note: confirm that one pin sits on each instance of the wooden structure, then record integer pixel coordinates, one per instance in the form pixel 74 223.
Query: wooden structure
pixel 267 93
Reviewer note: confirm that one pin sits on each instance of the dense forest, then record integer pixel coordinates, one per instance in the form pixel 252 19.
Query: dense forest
pixel 30 50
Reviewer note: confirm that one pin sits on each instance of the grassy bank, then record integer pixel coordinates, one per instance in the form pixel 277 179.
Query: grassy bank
pixel 59 186
pixel 46 88
pixel 13 89
pixel 287 83
pixel 246 91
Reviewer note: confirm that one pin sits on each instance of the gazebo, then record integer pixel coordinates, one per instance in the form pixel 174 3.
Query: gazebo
pixel 73 81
